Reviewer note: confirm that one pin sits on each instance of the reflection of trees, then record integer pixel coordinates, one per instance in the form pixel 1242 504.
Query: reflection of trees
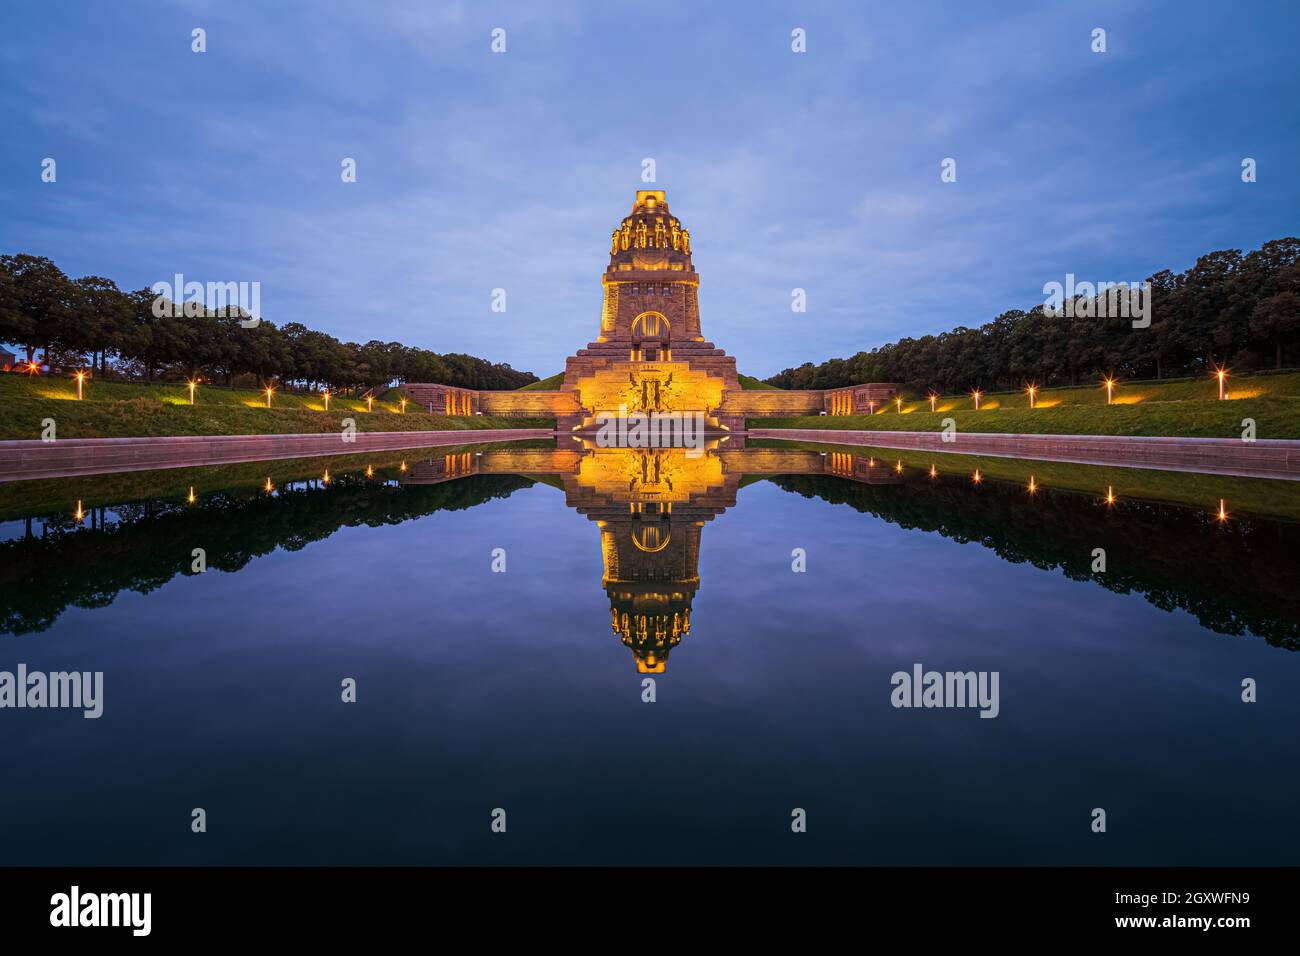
pixel 1234 579
pixel 150 544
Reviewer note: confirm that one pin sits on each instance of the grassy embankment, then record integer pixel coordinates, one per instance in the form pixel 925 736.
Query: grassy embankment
pixel 118 409
pixel 1188 408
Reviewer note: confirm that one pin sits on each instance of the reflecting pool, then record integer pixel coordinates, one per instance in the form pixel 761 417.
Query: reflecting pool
pixel 652 657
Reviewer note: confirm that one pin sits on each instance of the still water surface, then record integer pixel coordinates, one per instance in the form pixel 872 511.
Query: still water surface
pixel 523 690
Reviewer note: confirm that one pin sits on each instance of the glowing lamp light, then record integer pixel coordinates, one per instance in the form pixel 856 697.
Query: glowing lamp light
pixel 1110 495
pixel 326 394
pixel 1222 375
pixel 325 479
pixel 933 398
pixel 934 472
pixel 871 407
pixel 81 377
pixel 370 471
pixel 190 497
pixel 977 477
pixel 268 487
pixel 403 468
pixel 193 384
pixel 899 468
pixel 33 369
pixel 269 390
pixel 1223 512
pixel 899 402
pixel 1032 390
pixel 403 404
pixel 1032 486
pixel 79 514
pixel 370 403
pixel 976 395
pixel 1110 390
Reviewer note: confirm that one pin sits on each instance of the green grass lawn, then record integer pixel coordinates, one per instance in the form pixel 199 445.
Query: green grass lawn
pixel 1187 408
pixel 116 409
pixel 751 384
pixel 550 384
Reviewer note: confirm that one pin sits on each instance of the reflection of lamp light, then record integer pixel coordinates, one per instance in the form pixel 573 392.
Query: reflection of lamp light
pixel 899 402
pixel 899 467
pixel 79 513
pixel 1032 390
pixel 1222 374
pixel 190 498
pixel 327 399
pixel 1032 487
pixel 1110 495
pixel 325 480
pixel 403 468
pixel 370 403
pixel 269 487
pixel 403 403
pixel 1110 390
pixel 269 390
pixel 193 384
pixel 933 398
pixel 81 377
pixel 1223 514
pixel 977 477
pixel 934 472
pixel 370 471
pixel 976 395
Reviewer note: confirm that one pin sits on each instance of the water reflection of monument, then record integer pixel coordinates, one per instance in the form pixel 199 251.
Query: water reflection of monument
pixel 651 506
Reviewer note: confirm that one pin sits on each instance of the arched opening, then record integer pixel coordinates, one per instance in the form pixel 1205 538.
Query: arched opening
pixel 650 334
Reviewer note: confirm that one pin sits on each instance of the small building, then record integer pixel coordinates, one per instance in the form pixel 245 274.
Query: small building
pixel 8 361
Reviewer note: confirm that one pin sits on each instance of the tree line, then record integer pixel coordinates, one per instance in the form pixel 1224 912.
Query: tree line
pixel 1228 310
pixel 90 323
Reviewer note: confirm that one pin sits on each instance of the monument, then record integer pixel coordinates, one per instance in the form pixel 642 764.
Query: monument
pixel 650 354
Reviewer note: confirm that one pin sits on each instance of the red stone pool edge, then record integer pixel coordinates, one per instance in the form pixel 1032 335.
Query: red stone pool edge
pixel 67 457
pixel 1263 458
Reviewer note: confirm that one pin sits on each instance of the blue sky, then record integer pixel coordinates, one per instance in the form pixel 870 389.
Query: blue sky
pixel 478 170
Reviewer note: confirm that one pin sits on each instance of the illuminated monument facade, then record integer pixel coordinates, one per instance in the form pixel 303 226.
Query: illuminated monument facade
pixel 651 354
